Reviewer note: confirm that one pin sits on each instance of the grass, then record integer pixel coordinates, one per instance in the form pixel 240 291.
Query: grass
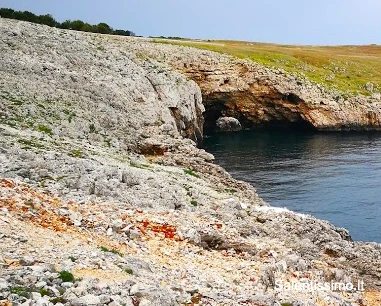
pixel 76 153
pixel 107 250
pixel 45 129
pixel 29 143
pixel 25 291
pixel 57 300
pixel 345 68
pixel 44 292
pixel 20 291
pixel 9 97
pixel 191 173
pixel 70 115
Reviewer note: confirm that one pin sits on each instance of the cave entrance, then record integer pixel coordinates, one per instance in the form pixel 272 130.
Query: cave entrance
pixel 213 111
pixel 273 112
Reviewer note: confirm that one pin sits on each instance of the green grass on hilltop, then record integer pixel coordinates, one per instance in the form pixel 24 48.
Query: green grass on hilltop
pixel 346 68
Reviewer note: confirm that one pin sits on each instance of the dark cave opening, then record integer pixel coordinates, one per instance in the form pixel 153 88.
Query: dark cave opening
pixel 275 116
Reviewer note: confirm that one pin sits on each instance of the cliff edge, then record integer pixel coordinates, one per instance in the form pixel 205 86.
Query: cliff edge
pixel 106 200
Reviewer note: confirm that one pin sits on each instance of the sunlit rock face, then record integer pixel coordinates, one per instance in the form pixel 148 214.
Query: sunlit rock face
pixel 99 178
pixel 265 97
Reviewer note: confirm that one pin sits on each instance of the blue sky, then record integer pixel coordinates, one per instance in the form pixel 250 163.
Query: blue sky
pixel 316 22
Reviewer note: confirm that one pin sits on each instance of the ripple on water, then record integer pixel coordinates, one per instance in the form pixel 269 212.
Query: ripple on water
pixel 333 176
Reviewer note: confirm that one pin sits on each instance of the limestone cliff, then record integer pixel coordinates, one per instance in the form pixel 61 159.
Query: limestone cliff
pixel 263 97
pixel 80 89
pixel 103 201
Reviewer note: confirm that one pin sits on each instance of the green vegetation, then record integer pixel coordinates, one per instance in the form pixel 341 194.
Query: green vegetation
pixel 345 68
pixel 66 276
pixel 70 115
pixel 45 129
pixel 25 291
pixel 129 271
pixel 8 96
pixel 188 190
pixel 191 172
pixel 44 292
pixel 30 143
pixel 104 249
pixel 70 118
pixel 48 20
pixel 57 300
pixel 20 291
pixel 76 153
pixel 92 128
pixel 194 203
pixel 170 37
pixel 108 142
pixel 230 190
pixel 72 258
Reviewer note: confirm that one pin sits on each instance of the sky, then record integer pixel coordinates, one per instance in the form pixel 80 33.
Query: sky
pixel 312 22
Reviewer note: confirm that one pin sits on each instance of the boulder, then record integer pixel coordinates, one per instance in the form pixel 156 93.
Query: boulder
pixel 228 124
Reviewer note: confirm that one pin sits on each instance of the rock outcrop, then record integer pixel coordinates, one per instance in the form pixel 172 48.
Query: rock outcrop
pixel 87 219
pixel 80 89
pixel 228 124
pixel 261 97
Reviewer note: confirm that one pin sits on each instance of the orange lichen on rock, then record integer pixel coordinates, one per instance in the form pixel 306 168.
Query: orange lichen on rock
pixel 33 204
pixel 169 231
pixel 6 183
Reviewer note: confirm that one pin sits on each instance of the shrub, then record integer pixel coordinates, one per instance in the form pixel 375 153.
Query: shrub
pixel 48 20
pixel 66 276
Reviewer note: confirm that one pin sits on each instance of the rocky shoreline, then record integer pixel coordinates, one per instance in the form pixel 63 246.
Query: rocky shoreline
pixel 105 198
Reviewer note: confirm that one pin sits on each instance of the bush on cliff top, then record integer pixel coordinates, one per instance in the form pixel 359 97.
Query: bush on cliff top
pixel 48 20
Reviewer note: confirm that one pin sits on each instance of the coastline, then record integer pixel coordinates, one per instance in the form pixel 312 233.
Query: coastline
pixel 100 178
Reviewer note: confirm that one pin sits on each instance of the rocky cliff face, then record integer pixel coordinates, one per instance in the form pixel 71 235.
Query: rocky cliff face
pixel 263 97
pixel 104 202
pixel 80 89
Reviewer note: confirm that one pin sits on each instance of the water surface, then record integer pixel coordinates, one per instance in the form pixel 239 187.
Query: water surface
pixel 332 176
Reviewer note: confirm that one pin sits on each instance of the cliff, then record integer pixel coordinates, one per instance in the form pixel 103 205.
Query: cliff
pixel 259 96
pixel 106 200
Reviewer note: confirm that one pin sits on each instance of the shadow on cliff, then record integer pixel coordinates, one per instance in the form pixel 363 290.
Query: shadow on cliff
pixel 256 109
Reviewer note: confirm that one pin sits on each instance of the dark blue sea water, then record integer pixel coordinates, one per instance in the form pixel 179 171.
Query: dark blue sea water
pixel 332 176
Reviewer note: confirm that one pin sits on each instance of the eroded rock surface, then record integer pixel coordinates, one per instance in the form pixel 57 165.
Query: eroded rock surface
pixel 260 97
pixel 228 124
pixel 87 219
